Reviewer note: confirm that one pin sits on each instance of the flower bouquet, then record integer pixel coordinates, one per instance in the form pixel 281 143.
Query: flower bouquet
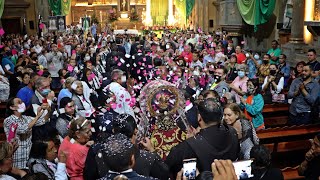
pixel 112 16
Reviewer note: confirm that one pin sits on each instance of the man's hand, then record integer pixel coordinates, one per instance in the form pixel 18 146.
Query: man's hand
pixel 302 86
pixel 223 170
pixel 271 78
pixel 51 95
pixel 243 101
pixel 180 175
pixel 146 143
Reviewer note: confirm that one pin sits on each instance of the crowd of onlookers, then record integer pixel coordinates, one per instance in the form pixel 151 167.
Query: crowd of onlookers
pixel 72 107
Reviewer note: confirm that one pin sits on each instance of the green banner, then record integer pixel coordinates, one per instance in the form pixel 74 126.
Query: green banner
pixel 255 12
pixel 189 7
pixel 1 7
pixel 65 7
pixel 55 6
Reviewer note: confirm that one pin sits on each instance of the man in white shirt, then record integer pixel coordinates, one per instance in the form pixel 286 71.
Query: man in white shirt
pixel 55 63
pixel 195 61
pixel 123 97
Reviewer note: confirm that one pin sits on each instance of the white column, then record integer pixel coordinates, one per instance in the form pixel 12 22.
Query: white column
pixel 170 16
pixel 148 13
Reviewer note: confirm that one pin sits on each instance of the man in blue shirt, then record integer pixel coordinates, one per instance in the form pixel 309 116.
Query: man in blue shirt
pixel 304 91
pixel 7 64
pixel 26 93
pixel 284 68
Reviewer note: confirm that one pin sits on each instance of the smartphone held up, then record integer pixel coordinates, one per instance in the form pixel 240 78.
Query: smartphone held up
pixel 190 168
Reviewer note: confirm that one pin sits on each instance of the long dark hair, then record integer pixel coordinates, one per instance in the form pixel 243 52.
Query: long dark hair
pixel 256 84
pixel 10 103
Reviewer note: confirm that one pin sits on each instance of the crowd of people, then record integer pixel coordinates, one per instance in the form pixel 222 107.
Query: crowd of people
pixel 73 107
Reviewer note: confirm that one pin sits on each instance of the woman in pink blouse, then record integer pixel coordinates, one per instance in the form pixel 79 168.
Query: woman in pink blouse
pixel 75 146
pixel 239 85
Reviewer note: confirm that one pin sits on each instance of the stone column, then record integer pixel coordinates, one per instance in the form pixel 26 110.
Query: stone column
pixel 170 16
pixel 196 16
pixel 216 19
pixel 297 21
pixel 206 16
pixel 148 13
pixel 200 13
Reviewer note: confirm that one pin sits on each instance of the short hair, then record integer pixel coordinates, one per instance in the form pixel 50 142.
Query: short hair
pixel 284 56
pixel 233 56
pixel 116 73
pixel 312 50
pixel 39 150
pixel 310 66
pixel 46 74
pixel 242 66
pixel 225 70
pixel 157 61
pixel 117 152
pixel 210 110
pixel 39 82
pixel 25 74
pixel 275 42
pixel 269 56
pixel 261 156
pixel 231 96
pixel 124 124
pixel 64 102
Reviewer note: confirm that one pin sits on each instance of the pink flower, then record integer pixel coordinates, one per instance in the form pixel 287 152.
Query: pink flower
pixel 113 105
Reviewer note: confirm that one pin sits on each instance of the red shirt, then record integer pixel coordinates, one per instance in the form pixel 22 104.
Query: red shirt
pixel 76 158
pixel 187 56
pixel 241 58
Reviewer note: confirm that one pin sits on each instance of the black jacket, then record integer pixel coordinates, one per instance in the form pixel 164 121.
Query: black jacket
pixel 223 140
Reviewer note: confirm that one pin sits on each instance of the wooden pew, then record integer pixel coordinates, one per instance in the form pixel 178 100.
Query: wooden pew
pixel 276 115
pixel 291 173
pixel 288 133
pixel 271 108
pixel 294 140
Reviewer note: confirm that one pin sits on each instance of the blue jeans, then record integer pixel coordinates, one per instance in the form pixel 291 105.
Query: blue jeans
pixel 300 118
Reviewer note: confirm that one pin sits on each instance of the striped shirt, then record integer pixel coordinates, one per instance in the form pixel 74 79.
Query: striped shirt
pixel 23 135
